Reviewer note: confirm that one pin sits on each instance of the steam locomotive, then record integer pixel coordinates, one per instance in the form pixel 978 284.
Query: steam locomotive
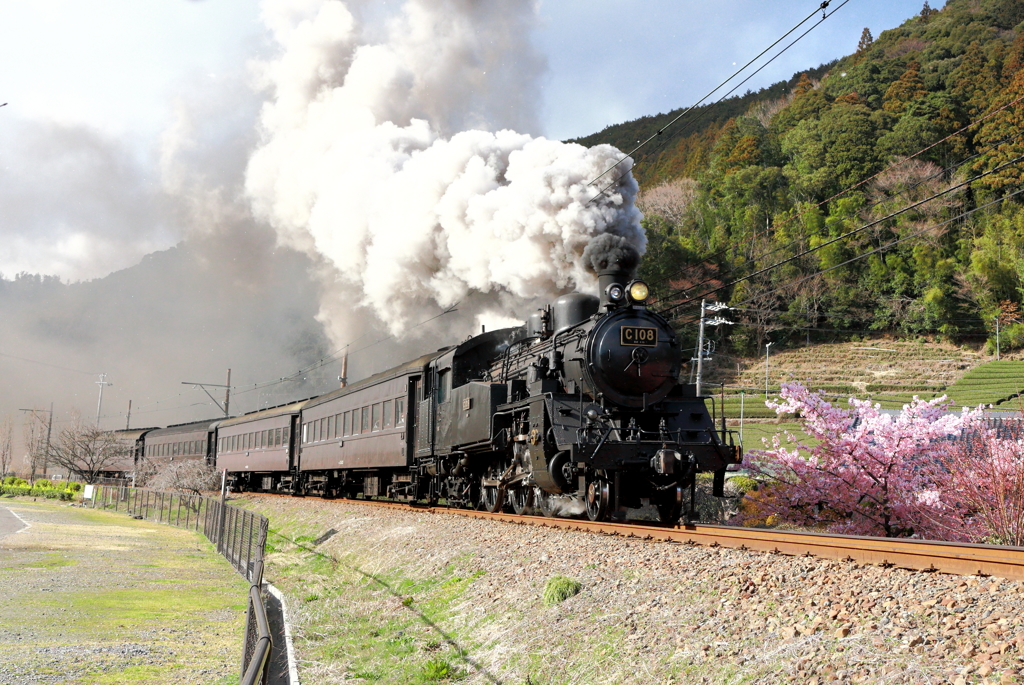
pixel 581 409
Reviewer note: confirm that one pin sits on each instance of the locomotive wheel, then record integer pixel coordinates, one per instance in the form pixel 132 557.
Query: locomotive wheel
pixel 671 507
pixel 598 499
pixel 546 503
pixel 521 499
pixel 491 499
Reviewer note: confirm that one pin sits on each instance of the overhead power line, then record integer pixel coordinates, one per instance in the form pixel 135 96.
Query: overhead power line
pixel 821 8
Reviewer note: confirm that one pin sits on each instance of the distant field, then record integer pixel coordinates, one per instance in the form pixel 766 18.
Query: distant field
pixel 890 373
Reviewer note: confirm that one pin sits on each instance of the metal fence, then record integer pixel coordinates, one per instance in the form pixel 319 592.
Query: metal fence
pixel 240 535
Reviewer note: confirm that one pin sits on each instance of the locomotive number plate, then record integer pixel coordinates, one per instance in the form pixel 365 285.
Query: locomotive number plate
pixel 637 336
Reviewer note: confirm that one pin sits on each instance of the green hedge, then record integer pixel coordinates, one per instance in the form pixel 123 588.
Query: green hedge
pixel 49 493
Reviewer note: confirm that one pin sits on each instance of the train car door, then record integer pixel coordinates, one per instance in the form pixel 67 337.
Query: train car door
pixel 412 418
pixel 425 416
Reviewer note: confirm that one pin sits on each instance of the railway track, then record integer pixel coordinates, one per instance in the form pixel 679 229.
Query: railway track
pixel 920 555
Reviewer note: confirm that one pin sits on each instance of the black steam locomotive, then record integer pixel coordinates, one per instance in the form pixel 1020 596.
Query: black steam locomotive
pixel 579 410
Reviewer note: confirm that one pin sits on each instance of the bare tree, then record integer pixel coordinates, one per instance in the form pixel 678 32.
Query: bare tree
pixel 186 476
pixel 671 201
pixel 33 433
pixel 6 446
pixel 88 451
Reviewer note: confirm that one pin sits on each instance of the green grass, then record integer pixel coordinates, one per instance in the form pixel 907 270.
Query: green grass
pixel 111 581
pixel 560 588
pixel 386 626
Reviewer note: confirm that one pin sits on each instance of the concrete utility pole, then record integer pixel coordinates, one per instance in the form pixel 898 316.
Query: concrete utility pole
pixel 128 421
pixel 717 321
pixel 102 382
pixel 766 349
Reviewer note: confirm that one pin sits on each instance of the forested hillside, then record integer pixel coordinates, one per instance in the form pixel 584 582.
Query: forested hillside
pixel 873 195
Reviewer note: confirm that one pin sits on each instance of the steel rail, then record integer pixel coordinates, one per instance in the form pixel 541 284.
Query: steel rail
pixel 955 558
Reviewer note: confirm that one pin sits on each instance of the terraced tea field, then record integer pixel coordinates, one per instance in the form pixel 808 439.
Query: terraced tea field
pixel 888 372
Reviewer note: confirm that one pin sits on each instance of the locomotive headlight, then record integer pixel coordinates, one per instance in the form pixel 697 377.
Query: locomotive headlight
pixel 615 292
pixel 638 291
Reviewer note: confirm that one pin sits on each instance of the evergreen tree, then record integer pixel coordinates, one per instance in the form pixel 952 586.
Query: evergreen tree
pixel 908 88
pixel 866 39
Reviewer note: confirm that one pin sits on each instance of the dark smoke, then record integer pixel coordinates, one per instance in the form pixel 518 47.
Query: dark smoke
pixel 608 252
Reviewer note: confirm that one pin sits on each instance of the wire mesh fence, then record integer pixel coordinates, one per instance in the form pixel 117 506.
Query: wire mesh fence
pixel 239 535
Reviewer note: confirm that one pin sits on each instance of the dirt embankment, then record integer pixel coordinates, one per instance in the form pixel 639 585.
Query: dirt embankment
pixel 96 597
pixel 399 596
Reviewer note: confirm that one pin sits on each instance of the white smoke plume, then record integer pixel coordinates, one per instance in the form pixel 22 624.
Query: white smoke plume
pixel 366 163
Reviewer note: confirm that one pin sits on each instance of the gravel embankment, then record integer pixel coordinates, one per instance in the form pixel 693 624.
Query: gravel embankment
pixel 96 597
pixel 648 612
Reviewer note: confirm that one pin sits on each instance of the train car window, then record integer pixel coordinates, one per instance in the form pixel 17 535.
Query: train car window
pixel 400 412
pixel 346 423
pixel 355 422
pixel 389 415
pixel 376 417
pixel 444 386
pixel 305 433
pixel 285 432
pixel 330 427
pixel 323 428
pixel 277 437
pixel 365 424
pixel 264 439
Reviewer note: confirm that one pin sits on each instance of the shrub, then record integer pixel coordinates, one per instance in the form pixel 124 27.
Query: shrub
pixel 74 486
pixel 15 481
pixel 560 588
pixel 43 483
pixel 439 669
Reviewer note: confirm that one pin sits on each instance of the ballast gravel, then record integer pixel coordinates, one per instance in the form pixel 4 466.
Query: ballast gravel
pixel 672 613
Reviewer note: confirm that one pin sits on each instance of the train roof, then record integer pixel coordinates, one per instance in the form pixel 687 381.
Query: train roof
pixel 270 412
pixel 132 433
pixel 394 372
pixel 205 425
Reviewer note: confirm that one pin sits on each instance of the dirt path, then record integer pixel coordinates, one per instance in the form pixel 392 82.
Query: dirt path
pixel 96 597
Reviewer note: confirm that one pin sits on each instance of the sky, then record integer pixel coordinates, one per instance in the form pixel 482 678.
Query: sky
pixel 129 126
pixel 116 73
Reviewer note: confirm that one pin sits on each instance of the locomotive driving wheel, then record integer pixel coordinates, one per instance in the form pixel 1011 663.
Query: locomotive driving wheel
pixel 598 497
pixel 521 499
pixel 546 503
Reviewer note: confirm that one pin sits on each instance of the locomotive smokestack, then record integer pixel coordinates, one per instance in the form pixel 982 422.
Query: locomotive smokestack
pixel 614 260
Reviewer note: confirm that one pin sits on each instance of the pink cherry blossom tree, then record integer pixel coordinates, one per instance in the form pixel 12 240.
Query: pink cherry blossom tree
pixel 866 472
pixel 978 492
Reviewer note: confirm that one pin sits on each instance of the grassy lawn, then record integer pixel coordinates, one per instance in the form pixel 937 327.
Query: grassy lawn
pixel 97 597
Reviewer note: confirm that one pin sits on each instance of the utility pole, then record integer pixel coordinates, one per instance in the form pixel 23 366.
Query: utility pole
pixel 227 393
pixel 997 338
pixel 102 382
pixel 128 421
pixel 766 350
pixel 717 321
pixel 343 378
